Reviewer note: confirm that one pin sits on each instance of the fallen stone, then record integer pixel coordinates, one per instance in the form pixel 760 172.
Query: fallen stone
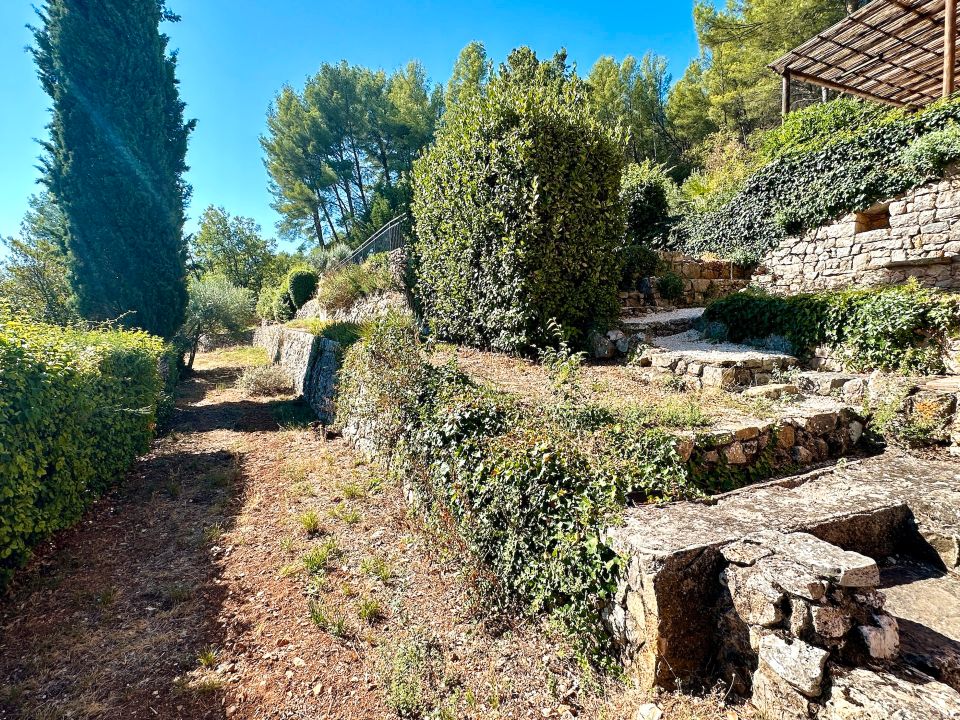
pixel 799 663
pixel 771 391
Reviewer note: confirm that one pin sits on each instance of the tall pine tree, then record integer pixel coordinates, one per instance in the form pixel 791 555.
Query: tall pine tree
pixel 116 157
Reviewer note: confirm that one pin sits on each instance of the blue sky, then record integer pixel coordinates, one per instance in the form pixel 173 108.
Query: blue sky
pixel 236 54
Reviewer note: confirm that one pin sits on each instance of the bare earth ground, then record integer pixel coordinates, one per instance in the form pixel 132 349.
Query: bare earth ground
pixel 183 594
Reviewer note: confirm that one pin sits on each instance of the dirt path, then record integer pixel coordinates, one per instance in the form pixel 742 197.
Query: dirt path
pixel 247 568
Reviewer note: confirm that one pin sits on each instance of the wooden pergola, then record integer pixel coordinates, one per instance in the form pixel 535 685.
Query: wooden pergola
pixel 898 52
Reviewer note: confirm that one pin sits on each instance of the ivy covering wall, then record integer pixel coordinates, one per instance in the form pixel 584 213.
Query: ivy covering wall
pixel 824 162
pixel 76 408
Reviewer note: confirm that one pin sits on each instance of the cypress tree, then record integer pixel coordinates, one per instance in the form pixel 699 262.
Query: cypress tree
pixel 116 157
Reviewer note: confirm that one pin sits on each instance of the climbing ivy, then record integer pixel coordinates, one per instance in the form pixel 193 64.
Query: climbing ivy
pixel 899 329
pixel 824 168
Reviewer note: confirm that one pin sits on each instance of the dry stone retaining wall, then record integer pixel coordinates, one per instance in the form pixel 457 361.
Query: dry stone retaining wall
pixel 312 363
pixel 916 235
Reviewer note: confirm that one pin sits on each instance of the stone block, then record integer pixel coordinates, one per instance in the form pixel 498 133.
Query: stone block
pixel 799 663
pixel 883 639
pixel 845 568
pixel 786 436
pixel 719 377
pixel 735 454
pixel 755 598
pixel 744 553
pixel 775 698
pixel 821 423
pixel 830 622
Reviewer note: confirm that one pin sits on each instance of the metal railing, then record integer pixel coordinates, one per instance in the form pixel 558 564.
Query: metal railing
pixel 390 237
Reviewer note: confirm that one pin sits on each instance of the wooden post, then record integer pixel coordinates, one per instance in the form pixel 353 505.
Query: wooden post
pixel 785 108
pixel 824 97
pixel 949 47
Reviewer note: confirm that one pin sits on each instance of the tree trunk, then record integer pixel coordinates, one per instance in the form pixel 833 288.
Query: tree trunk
pixel 317 227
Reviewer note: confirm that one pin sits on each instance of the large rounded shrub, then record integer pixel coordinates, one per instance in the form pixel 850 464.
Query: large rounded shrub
pixel 302 284
pixel 518 214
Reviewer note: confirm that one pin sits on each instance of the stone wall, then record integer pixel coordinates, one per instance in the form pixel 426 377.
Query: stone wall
pixel 705 280
pixel 312 363
pixel 914 235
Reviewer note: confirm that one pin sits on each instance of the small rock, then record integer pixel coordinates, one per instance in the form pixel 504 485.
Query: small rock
pixel 882 640
pixel 648 712
pixel 735 454
pixel 298 662
pixel 786 436
pixel 856 431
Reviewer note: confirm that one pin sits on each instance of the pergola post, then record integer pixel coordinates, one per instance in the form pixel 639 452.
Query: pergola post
pixel 785 107
pixel 949 47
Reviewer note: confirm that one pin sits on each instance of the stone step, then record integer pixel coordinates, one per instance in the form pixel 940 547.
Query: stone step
pixel 702 363
pixel 661 322
pixel 809 432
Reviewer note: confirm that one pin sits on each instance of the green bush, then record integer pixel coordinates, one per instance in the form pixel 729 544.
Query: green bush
pixel 274 303
pixel 670 285
pixel 822 173
pixel 341 289
pixel 521 486
pixel 644 192
pixel 76 408
pixel 301 285
pixel 518 216
pixel 899 329
pixel 344 333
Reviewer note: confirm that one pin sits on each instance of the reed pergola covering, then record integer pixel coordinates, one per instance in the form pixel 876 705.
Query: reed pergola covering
pixel 899 52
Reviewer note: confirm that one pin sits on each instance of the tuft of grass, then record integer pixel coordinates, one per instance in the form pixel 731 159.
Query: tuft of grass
pixel 310 522
pixel 328 620
pixel 213 533
pixel 345 514
pixel 207 657
pixel 352 491
pixel 293 415
pixel 316 560
pixel 370 610
pixel 376 566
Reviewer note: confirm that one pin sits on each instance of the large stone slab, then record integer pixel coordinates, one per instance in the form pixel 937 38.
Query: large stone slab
pixel 862 694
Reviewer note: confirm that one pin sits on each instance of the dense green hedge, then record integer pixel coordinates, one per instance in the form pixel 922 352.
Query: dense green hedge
pixel 528 490
pixel 518 215
pixel 76 407
pixel 280 302
pixel 825 162
pixel 898 329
